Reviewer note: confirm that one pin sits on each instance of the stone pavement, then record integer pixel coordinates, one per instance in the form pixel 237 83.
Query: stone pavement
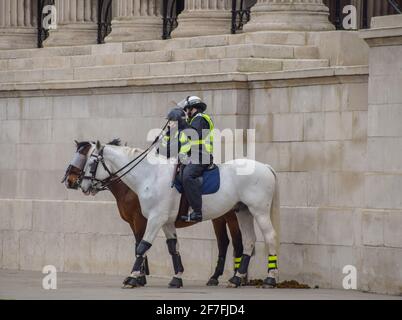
pixel 28 285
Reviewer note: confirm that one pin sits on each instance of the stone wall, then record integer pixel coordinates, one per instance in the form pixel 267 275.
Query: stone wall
pixel 313 131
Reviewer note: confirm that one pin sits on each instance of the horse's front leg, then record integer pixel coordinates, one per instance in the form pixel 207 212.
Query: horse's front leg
pixel 173 247
pixel 155 223
pixel 140 281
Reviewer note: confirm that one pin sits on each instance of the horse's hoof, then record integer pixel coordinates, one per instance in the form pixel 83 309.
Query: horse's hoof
pixel 212 282
pixel 141 281
pixel 244 281
pixel 130 283
pixel 176 283
pixel 234 282
pixel 269 282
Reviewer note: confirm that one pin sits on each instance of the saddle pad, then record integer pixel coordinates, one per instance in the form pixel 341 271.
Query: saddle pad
pixel 210 181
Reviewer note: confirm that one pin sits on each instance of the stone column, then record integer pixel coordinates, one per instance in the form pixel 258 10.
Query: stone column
pixel 135 20
pixel 204 17
pixel 289 15
pixel 17 24
pixel 76 23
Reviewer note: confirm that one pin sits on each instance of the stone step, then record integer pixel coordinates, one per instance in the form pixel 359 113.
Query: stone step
pixel 45 52
pixel 109 48
pixel 130 58
pixel 279 38
pixel 202 67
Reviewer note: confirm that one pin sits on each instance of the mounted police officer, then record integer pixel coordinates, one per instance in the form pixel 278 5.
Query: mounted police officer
pixel 195 151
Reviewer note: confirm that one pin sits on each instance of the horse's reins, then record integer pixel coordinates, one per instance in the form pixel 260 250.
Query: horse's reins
pixel 113 178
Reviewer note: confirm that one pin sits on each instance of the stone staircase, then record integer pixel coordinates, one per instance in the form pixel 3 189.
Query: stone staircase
pixel 223 54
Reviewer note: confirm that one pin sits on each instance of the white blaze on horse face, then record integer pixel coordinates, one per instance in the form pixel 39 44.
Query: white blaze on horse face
pixel 86 183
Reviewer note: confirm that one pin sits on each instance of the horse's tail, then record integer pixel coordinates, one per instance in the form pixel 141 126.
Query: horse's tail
pixel 275 210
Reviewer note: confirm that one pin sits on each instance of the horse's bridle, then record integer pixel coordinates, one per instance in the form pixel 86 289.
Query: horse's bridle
pixel 93 169
pixel 101 185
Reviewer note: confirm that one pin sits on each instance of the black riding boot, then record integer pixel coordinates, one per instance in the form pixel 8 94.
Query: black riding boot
pixel 193 190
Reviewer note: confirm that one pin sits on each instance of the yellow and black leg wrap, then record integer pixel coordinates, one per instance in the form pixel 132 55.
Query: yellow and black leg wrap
pixel 236 262
pixel 272 262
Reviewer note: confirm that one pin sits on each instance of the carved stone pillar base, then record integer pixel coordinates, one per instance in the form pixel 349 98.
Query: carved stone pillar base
pixel 18 38
pixel 126 29
pixel 289 15
pixel 202 23
pixel 74 34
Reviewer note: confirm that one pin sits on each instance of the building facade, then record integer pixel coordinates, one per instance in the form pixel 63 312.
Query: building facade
pixel 325 105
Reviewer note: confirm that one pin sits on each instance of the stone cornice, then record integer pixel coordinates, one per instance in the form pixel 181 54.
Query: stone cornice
pixel 213 81
pixel 385 31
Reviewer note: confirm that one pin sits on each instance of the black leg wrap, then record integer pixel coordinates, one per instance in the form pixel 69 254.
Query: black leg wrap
pixel 171 244
pixel 143 247
pixel 245 261
pixel 140 250
pixel 139 260
pixel 177 265
pixel 146 266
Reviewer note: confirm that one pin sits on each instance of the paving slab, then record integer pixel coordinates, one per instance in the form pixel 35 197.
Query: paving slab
pixel 27 285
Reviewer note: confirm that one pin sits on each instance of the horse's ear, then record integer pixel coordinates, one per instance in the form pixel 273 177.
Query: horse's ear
pixel 98 145
pixel 76 142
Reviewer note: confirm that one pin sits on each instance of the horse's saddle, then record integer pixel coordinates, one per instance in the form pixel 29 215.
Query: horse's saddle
pixel 210 184
pixel 210 180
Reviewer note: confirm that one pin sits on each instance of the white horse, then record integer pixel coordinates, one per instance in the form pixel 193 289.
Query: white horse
pixel 255 195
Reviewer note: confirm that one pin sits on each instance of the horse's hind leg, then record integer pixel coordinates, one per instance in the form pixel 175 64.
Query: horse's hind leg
pixel 246 225
pixel 223 243
pixel 173 247
pixel 237 240
pixel 263 220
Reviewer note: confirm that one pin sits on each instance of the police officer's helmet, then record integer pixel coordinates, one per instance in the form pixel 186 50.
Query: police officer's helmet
pixel 192 102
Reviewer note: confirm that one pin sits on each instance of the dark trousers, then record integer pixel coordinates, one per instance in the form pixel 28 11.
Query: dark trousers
pixel 192 185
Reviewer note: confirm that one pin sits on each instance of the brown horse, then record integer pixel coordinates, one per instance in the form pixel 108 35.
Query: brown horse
pixel 130 211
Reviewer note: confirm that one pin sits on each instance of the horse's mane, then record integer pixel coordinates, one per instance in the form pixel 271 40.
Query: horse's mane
pixel 115 142
pixel 82 144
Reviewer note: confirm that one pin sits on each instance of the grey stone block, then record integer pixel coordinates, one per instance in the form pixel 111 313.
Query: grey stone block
pixel 373 228
pixel 347 189
pixel 32 250
pixel 15 215
pixel 77 260
pixel 335 227
pixel 295 184
pixel 383 191
pixel 314 126
pixel 288 127
pixel 11 249
pixel 272 100
pixel 299 225
pixel 392 229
